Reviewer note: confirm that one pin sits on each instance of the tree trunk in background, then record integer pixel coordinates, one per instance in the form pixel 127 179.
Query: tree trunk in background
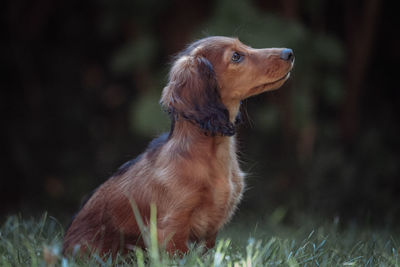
pixel 290 11
pixel 361 25
pixel 300 139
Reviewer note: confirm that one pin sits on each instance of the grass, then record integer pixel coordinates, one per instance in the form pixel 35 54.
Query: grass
pixel 37 242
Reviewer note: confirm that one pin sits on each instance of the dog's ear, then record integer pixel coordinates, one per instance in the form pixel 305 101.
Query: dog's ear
pixel 192 94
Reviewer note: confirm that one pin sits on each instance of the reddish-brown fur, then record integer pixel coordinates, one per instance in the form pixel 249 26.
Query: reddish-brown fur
pixel 193 176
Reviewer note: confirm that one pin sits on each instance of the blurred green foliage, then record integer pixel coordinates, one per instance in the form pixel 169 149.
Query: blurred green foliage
pixel 135 55
pixel 147 117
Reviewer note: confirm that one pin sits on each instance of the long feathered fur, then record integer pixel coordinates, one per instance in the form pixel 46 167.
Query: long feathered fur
pixel 192 173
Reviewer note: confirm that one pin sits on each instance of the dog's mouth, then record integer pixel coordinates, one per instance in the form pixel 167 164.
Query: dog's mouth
pixel 284 78
pixel 272 85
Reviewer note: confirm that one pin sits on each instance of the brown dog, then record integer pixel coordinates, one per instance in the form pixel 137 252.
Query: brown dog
pixel 192 174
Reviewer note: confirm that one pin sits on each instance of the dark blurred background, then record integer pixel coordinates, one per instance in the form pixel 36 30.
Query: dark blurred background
pixel 81 80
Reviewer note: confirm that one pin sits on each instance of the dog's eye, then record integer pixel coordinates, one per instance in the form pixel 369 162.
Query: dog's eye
pixel 236 57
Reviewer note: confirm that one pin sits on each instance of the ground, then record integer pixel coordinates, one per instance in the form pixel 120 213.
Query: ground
pixel 37 242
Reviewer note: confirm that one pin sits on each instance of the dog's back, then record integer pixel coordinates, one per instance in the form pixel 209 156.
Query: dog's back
pixel 94 227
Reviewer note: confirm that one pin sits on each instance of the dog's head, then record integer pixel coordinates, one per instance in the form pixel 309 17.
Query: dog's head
pixel 209 79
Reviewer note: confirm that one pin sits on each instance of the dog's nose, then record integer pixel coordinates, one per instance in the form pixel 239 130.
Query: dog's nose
pixel 287 54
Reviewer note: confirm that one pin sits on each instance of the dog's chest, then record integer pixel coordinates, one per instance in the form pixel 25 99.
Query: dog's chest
pixel 214 207
pixel 214 171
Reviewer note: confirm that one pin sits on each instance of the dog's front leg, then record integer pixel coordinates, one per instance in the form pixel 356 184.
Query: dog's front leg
pixel 174 238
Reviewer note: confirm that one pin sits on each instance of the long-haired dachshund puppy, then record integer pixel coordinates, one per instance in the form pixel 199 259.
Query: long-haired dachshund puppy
pixel 191 174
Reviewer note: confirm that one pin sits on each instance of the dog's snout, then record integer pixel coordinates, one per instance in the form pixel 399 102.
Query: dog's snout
pixel 287 54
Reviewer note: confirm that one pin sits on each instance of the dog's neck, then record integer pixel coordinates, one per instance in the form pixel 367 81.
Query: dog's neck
pixel 188 138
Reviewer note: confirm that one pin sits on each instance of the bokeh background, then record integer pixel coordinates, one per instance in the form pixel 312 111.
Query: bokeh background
pixel 80 84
